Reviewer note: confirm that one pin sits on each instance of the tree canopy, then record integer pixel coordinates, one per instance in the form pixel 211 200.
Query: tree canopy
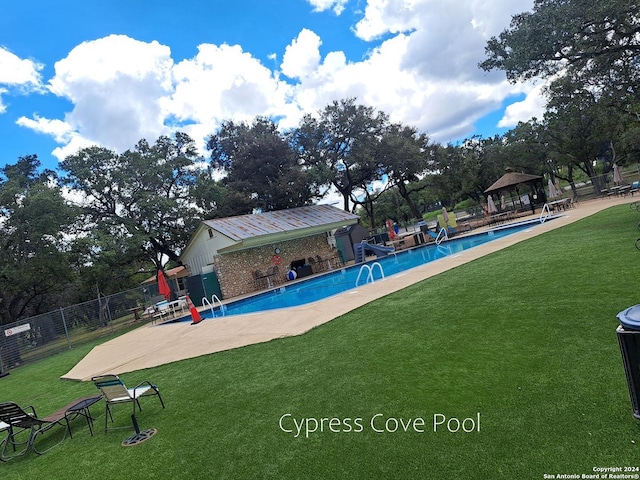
pixel 597 41
pixel 588 51
pixel 36 241
pixel 339 145
pixel 137 203
pixel 261 169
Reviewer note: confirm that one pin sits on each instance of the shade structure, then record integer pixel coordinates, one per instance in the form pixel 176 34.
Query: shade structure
pixel 617 177
pixel 163 286
pixel 512 179
pixel 491 206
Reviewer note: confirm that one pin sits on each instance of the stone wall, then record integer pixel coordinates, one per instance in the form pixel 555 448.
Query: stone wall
pixel 235 269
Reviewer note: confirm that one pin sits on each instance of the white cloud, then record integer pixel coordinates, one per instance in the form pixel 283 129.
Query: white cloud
pixel 302 57
pixel 423 72
pixel 116 85
pixel 3 107
pixel 17 72
pixel 385 16
pixel 337 6
pixel 532 106
pixel 436 70
pixel 59 130
pixel 222 83
pixel 62 132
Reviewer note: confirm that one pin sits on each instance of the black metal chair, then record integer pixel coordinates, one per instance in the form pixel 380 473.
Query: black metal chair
pixel 321 264
pixel 24 426
pixel 273 274
pixel 259 280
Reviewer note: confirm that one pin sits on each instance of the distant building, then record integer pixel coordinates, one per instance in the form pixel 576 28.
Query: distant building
pixel 176 277
pixel 237 255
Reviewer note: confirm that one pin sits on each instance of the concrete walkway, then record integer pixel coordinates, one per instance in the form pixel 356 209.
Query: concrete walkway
pixel 153 345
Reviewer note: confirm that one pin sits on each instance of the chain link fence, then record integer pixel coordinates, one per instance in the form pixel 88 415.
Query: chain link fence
pixel 47 334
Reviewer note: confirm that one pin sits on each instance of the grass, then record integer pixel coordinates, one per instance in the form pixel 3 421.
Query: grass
pixel 525 337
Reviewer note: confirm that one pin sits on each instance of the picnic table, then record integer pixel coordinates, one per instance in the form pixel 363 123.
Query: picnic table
pixel 136 312
pixel 500 217
pixel 622 190
pixel 561 204
pixel 160 309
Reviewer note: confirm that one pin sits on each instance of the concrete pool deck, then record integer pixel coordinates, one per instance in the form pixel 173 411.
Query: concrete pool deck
pixel 153 345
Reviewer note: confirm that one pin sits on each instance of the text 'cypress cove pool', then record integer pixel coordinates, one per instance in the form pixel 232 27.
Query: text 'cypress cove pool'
pixel 353 276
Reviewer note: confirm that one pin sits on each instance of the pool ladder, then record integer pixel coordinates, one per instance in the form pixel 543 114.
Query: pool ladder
pixel 442 235
pixel 369 269
pixel 545 213
pixel 212 304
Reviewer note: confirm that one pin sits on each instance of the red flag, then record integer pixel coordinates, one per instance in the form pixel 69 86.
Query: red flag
pixel 163 286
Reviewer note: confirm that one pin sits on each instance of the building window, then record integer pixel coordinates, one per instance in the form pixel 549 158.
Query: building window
pixel 211 234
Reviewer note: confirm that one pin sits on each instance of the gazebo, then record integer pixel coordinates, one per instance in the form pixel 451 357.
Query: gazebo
pixel 512 182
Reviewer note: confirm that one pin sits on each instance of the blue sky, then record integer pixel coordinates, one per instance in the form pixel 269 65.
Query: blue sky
pixel 75 74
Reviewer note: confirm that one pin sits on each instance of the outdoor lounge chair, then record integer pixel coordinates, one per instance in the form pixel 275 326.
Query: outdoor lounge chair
pixel 432 234
pixel 23 427
pixel 439 236
pixel 451 225
pixel 115 392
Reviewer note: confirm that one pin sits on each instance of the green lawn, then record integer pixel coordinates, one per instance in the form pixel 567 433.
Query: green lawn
pixel 524 338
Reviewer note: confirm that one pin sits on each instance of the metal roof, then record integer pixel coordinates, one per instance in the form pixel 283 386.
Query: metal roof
pixel 312 217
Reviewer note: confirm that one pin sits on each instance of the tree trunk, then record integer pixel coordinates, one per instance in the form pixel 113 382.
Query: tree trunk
pixel 410 203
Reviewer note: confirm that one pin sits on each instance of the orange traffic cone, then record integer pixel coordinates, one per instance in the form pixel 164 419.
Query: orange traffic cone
pixel 195 315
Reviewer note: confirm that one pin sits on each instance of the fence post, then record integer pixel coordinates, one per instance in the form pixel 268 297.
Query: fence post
pixel 110 318
pixel 2 372
pixel 64 324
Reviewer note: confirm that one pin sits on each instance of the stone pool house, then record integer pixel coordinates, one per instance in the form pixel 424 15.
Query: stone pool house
pixel 235 256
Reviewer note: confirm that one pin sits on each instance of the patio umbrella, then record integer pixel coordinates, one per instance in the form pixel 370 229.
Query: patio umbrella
pixel 445 216
pixel 617 178
pixel 491 206
pixel 503 203
pixel 163 286
pixel 552 190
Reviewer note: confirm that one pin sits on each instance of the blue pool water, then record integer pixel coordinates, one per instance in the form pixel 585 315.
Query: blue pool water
pixel 347 278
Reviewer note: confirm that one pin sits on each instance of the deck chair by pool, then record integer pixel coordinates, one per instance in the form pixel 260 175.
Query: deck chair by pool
pixel 438 236
pixel 23 427
pixel 115 392
pixel 451 225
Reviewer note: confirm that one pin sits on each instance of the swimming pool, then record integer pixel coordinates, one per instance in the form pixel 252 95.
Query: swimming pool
pixel 347 278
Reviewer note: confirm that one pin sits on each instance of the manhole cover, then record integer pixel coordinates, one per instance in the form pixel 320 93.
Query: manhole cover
pixel 138 438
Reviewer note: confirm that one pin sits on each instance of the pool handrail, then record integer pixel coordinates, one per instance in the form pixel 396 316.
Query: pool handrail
pixel 545 208
pixel 212 304
pixel 369 269
pixel 442 235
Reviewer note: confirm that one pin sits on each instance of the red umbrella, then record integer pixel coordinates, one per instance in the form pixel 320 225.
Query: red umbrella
pixel 163 286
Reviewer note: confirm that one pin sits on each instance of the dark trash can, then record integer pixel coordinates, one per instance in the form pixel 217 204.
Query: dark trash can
pixel 628 333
